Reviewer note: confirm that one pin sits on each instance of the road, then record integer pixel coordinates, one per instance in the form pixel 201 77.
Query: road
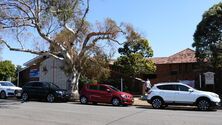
pixel 14 112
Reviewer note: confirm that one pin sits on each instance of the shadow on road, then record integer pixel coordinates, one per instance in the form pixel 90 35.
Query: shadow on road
pixel 9 103
pixel 175 108
pixel 98 104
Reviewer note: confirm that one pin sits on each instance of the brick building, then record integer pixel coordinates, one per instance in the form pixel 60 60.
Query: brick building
pixel 181 66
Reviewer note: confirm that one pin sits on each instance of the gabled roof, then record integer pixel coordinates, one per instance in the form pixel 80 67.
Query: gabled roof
pixel 35 60
pixel 184 56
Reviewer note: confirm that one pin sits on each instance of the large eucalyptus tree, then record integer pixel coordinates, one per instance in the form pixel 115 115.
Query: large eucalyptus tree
pixel 49 18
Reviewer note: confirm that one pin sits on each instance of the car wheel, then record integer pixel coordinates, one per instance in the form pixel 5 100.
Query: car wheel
pixel 3 95
pixel 203 105
pixel 83 100
pixel 157 103
pixel 115 102
pixel 50 98
pixel 25 96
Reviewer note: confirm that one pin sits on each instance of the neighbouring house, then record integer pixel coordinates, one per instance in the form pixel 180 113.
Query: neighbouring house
pixel 43 68
pixel 181 66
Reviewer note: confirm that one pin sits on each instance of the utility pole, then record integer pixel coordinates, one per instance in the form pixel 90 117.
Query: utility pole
pixel 121 84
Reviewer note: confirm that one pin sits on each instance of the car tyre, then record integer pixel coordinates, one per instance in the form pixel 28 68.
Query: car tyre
pixel 50 98
pixel 3 95
pixel 83 100
pixel 115 102
pixel 203 105
pixel 25 96
pixel 157 103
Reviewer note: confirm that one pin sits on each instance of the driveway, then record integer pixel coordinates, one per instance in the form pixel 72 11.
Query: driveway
pixel 41 113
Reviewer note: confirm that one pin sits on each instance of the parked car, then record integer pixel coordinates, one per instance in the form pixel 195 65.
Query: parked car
pixel 102 93
pixel 161 95
pixel 44 90
pixel 8 89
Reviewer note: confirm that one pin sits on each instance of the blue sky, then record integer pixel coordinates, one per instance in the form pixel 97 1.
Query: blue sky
pixel 169 25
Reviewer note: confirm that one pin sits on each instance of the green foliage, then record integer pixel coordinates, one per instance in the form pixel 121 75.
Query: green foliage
pixel 134 56
pixel 7 70
pixel 208 38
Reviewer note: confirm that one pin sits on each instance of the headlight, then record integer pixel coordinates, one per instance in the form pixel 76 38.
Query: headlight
pixel 215 95
pixel 59 92
pixel 124 96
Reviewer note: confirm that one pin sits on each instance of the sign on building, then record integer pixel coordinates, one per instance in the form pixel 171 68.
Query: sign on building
pixel 209 78
pixel 34 73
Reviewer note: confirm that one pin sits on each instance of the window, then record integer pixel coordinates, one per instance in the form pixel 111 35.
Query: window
pixel 102 88
pixel 93 87
pixel 37 84
pixel 29 84
pixel 166 87
pixel 115 89
pixel 181 88
pixel 54 86
pixel 7 84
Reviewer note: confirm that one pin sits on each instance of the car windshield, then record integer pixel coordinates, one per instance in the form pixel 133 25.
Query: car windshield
pixel 54 86
pixel 115 89
pixel 7 84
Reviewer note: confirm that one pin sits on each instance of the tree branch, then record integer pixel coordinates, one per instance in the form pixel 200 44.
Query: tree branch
pixel 22 50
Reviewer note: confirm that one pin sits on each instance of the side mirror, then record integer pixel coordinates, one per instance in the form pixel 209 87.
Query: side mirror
pixel 108 90
pixel 190 90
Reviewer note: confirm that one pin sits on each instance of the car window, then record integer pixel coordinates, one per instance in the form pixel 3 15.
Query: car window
pixel 103 88
pixel 28 84
pixel 93 87
pixel 7 84
pixel 182 88
pixel 37 84
pixel 115 89
pixel 53 86
pixel 166 87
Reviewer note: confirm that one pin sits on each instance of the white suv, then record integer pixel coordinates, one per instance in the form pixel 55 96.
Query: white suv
pixel 9 89
pixel 163 94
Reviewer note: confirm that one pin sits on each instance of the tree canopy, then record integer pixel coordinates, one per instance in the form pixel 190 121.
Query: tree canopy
pixel 7 70
pixel 49 20
pixel 208 38
pixel 134 56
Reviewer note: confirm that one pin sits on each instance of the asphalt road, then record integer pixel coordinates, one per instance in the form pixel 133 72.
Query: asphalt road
pixel 14 112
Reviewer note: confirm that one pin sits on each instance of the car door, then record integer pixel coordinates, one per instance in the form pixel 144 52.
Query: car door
pixel 42 89
pixel 105 96
pixel 93 93
pixel 38 90
pixel 183 95
pixel 167 92
pixel 30 89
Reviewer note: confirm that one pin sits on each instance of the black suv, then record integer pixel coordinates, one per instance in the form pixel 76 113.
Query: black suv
pixel 44 90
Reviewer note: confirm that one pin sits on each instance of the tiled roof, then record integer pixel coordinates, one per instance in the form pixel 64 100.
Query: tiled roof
pixel 185 56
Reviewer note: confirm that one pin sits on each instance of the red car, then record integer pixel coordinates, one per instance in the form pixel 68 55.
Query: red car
pixel 101 93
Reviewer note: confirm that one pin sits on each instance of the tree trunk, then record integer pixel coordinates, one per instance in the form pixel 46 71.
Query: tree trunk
pixel 73 85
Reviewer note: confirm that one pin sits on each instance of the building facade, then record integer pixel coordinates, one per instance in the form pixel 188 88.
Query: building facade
pixel 44 68
pixel 179 67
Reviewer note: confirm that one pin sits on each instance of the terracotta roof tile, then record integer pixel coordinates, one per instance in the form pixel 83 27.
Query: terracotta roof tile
pixel 185 56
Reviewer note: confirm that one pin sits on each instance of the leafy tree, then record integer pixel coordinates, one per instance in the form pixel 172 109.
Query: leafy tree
pixel 46 19
pixel 208 38
pixel 134 56
pixel 7 70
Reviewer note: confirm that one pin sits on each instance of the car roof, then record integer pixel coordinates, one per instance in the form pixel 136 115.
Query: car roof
pixel 96 84
pixel 169 83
